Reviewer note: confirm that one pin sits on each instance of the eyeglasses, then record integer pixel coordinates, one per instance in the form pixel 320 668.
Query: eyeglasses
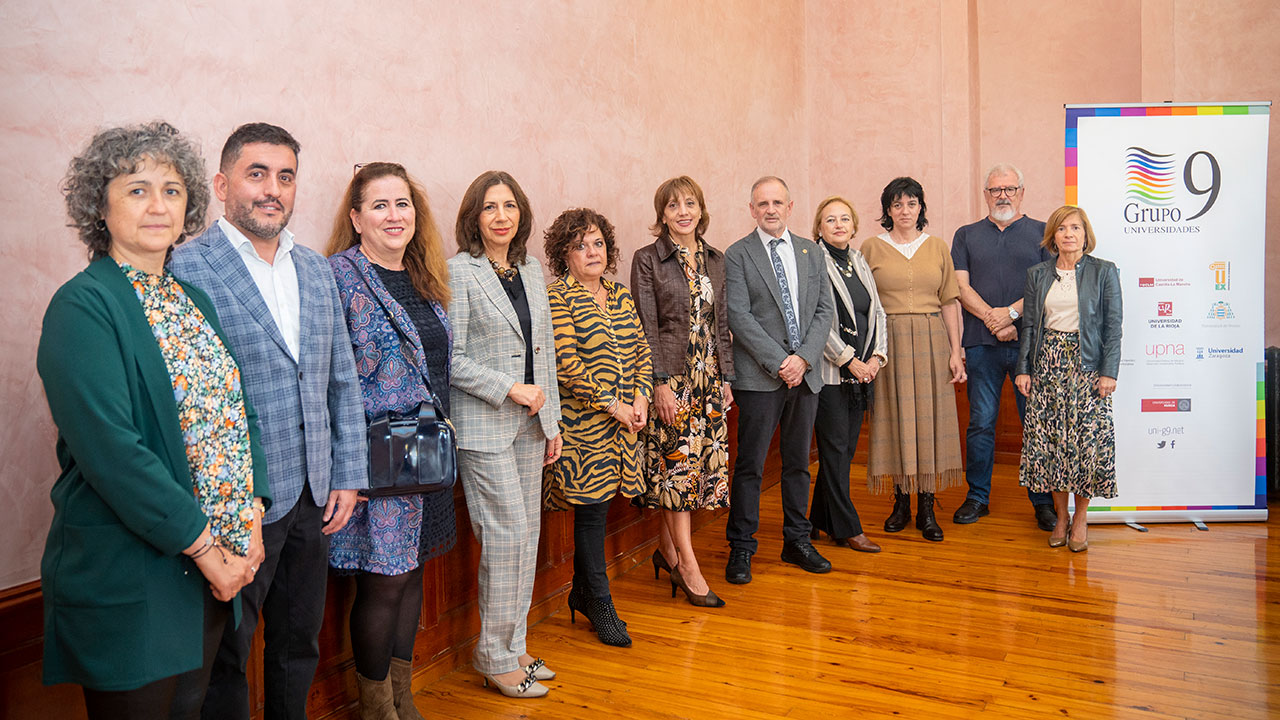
pixel 1007 190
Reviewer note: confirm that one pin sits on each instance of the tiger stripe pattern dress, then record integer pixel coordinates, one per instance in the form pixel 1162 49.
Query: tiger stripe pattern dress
pixel 601 356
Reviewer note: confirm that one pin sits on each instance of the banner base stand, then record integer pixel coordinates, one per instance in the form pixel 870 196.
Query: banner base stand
pixel 1200 526
pixel 1136 526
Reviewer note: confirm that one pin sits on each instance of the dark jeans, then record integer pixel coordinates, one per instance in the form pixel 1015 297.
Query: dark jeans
pixel 289 589
pixel 988 366
pixel 759 414
pixel 588 549
pixel 837 427
pixel 176 697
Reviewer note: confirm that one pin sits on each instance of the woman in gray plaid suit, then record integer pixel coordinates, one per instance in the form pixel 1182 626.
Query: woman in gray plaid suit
pixel 507 412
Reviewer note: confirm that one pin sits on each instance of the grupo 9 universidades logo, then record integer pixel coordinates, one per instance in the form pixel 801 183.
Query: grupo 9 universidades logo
pixel 1163 190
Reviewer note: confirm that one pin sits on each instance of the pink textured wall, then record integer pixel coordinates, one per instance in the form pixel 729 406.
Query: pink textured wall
pixel 1035 57
pixel 586 103
pixel 1229 52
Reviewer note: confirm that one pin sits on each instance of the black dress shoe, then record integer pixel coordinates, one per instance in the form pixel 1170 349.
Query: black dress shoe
pixel 738 569
pixel 969 512
pixel 1046 517
pixel 802 553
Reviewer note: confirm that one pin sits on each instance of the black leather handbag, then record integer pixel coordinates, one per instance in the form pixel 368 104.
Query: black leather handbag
pixel 411 453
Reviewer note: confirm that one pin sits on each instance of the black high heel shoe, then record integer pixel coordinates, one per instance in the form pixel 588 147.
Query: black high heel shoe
pixel 660 563
pixel 710 600
pixel 603 616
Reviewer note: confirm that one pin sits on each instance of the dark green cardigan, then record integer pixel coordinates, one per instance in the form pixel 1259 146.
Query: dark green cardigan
pixel 122 606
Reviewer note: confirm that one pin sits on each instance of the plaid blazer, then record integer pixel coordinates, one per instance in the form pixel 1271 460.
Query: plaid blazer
pixel 488 354
pixel 310 412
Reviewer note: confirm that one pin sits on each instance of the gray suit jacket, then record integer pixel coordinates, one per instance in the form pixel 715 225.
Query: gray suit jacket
pixel 313 428
pixel 756 319
pixel 488 354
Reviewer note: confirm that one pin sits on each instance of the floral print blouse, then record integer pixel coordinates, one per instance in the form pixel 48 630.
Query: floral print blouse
pixel 206 388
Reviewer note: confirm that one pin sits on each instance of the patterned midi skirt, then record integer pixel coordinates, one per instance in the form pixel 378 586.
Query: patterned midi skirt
pixel 1069 435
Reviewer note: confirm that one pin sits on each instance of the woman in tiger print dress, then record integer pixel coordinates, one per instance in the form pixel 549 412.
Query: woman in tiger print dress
pixel 606 380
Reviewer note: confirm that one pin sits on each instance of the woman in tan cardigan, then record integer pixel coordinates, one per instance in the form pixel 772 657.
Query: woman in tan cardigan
pixel 915 437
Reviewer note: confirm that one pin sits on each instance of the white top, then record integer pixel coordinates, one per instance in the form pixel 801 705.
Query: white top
pixel 1062 303
pixel 277 282
pixel 787 253
pixel 910 248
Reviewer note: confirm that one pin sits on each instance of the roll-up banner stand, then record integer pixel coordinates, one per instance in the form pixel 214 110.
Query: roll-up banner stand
pixel 1177 196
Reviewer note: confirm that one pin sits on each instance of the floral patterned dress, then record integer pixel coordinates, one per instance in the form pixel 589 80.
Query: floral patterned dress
pixel 687 462
pixel 210 399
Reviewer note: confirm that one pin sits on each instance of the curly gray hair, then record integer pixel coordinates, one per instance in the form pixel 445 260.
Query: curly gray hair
pixel 120 151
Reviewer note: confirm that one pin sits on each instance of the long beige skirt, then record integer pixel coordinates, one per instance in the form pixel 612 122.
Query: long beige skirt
pixel 915 437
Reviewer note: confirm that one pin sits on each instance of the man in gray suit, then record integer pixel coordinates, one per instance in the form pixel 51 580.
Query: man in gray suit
pixel 780 311
pixel 279 306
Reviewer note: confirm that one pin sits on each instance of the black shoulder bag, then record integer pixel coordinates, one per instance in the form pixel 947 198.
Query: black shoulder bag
pixel 411 452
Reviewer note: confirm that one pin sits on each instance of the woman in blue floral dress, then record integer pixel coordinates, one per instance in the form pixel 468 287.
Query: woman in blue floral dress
pixel 389 266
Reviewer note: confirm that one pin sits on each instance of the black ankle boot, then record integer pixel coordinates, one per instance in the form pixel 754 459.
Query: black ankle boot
pixel 608 626
pixel 925 522
pixel 577 602
pixel 901 514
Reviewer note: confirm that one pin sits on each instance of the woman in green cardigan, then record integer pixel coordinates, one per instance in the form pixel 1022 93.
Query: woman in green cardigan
pixel 158 508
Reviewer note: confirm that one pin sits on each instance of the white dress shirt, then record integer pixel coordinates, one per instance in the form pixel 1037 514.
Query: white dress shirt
pixel 277 282
pixel 787 253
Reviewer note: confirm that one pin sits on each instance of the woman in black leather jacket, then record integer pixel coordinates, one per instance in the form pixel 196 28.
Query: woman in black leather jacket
pixel 1067 366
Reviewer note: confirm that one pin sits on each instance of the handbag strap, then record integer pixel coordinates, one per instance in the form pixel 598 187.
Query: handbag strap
pixel 402 337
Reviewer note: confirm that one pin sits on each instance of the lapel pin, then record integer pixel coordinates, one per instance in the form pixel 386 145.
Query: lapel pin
pixel 804 250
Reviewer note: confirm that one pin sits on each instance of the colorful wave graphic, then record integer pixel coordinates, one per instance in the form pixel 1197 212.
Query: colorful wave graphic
pixel 1150 177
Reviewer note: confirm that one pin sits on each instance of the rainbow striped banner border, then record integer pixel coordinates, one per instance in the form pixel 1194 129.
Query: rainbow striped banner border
pixel 1075 112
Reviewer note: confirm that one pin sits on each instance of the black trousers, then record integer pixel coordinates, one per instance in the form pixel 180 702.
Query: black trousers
pixel 588 549
pixel 177 697
pixel 839 422
pixel 759 414
pixel 289 589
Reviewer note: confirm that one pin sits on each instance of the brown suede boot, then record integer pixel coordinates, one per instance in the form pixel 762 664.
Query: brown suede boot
pixel 402 690
pixel 375 699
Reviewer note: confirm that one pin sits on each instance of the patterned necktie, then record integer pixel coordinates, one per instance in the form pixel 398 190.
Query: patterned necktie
pixel 788 309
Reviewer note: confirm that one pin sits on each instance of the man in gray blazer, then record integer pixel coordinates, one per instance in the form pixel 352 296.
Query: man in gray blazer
pixel 279 306
pixel 780 312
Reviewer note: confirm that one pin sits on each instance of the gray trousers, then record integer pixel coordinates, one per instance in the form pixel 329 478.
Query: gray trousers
pixel 504 499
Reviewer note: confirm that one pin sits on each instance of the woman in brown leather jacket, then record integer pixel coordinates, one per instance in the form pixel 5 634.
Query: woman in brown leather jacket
pixel 678 285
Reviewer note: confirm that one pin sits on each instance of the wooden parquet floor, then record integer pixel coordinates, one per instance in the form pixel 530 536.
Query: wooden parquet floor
pixel 1173 623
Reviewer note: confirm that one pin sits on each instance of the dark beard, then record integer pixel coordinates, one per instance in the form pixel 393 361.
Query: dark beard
pixel 242 217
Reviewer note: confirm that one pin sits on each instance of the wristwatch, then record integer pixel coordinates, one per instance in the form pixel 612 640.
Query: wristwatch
pixel 1014 314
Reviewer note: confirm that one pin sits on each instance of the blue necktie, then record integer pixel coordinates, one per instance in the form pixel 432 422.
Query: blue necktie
pixel 788 309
